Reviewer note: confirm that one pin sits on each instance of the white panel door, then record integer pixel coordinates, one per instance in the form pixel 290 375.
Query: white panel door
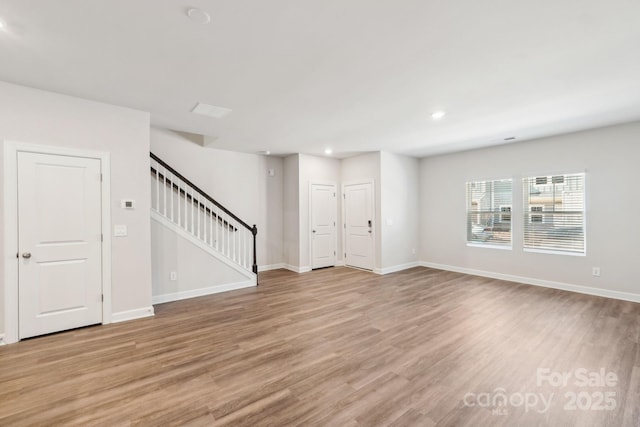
pixel 359 242
pixel 323 225
pixel 59 241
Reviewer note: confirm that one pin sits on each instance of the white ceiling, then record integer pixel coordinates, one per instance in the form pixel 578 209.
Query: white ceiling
pixel 354 75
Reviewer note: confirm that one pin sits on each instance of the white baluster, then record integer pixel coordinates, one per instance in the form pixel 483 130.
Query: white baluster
pixel 193 215
pixel 157 189
pixel 204 222
pixel 171 189
pixel 165 192
pixel 211 225
pixel 198 207
pixel 217 228
pixel 179 204
pixel 221 234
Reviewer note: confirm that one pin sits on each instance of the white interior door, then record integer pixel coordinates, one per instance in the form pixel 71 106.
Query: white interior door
pixel 359 239
pixel 323 225
pixel 59 241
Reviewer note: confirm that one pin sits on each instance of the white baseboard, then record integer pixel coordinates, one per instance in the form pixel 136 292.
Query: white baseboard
pixel 2 340
pixel 177 296
pixel 340 263
pixel 138 313
pixel 304 269
pixel 396 268
pixel 269 267
pixel 607 293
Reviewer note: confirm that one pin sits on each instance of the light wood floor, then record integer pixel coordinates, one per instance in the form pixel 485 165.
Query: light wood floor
pixel 334 347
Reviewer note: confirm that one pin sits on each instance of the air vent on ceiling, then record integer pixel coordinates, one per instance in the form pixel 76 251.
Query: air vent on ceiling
pixel 210 110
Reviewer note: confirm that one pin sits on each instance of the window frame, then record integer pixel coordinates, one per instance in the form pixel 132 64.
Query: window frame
pixel 529 213
pixel 497 211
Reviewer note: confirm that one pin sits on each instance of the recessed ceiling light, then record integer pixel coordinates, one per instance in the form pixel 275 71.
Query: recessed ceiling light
pixel 511 138
pixel 437 115
pixel 265 152
pixel 199 16
pixel 328 151
pixel 210 110
pixel 2 25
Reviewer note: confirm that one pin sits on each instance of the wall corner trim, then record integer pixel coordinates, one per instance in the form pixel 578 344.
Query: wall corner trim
pixel 396 268
pixel 607 293
pixel 270 267
pixel 295 269
pixel 138 313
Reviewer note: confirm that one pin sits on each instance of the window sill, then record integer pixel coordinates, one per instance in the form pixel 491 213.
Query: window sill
pixel 552 252
pixel 490 246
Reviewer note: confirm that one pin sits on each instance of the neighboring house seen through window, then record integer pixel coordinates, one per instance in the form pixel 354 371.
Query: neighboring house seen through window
pixel 489 212
pixel 554 217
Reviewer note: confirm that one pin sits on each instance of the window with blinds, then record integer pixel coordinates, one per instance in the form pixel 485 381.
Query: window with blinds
pixel 489 212
pixel 554 213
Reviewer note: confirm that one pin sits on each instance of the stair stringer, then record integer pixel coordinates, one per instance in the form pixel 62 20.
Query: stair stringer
pixel 249 279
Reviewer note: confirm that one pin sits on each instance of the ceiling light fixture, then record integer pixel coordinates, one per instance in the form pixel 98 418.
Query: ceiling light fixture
pixel 2 25
pixel 511 138
pixel 437 115
pixel 265 152
pixel 328 151
pixel 199 16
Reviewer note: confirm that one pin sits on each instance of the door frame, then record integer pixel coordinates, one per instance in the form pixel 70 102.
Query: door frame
pixel 310 230
pixel 11 150
pixel 373 218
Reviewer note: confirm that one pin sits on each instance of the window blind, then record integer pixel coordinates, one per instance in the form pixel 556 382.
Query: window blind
pixel 554 213
pixel 489 212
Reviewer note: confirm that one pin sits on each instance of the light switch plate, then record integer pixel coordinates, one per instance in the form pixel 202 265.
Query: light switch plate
pixel 120 230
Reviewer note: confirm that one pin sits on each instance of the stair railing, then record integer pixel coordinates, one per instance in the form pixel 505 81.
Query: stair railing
pixel 184 204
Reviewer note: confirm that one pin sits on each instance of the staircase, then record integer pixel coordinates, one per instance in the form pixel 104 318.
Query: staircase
pixel 180 205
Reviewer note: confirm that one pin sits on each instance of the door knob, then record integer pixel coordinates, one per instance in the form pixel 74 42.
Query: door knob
pixel 26 255
pixel 313 231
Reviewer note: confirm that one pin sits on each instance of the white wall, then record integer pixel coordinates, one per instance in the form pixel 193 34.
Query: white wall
pixel 400 220
pixel 320 169
pixel 238 181
pixel 291 213
pixel 367 167
pixel 610 158
pixel 45 118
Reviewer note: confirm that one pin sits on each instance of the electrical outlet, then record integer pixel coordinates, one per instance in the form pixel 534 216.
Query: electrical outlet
pixel 595 271
pixel 174 276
